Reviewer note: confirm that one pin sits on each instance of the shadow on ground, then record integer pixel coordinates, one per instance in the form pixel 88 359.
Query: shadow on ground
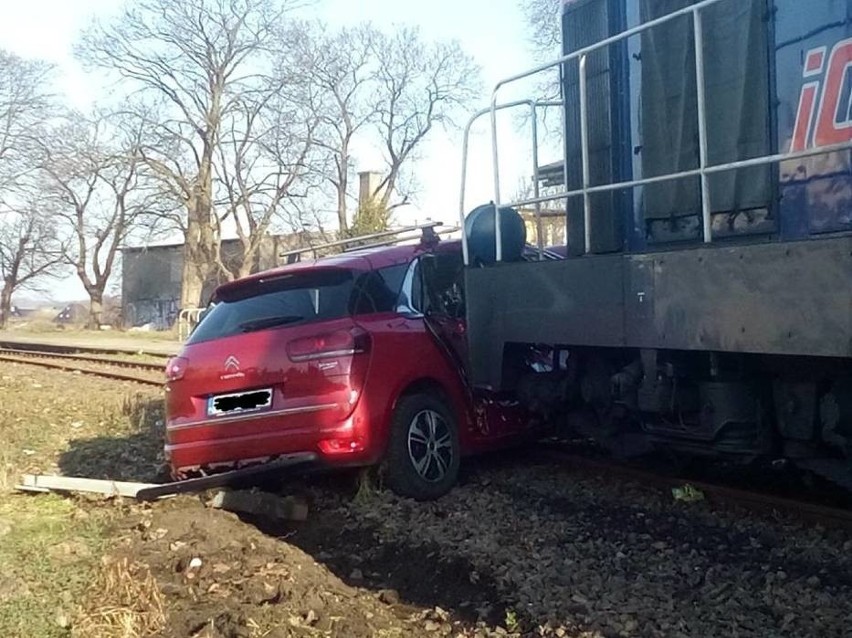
pixel 134 453
pixel 420 574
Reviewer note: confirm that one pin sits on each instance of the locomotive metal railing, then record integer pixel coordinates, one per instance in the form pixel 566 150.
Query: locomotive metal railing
pixel 534 106
pixel 704 170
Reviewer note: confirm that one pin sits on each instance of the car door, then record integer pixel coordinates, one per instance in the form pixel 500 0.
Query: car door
pixel 443 302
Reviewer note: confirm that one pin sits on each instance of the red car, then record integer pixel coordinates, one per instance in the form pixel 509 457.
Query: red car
pixel 358 358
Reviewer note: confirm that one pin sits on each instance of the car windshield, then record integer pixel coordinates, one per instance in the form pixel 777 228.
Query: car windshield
pixel 279 301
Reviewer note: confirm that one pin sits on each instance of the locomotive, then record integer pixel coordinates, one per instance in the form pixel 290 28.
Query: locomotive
pixel 705 303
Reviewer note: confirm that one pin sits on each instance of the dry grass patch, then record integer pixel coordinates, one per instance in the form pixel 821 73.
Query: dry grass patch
pixel 124 601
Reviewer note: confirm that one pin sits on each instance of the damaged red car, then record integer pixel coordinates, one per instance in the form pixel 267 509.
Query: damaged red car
pixel 357 358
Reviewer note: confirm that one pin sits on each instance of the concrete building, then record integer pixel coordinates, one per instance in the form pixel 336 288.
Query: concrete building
pixel 151 276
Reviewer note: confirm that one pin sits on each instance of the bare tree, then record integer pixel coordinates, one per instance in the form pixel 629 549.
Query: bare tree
pixel 418 86
pixel 545 34
pixel 30 252
pixel 391 90
pixel 192 60
pixel 25 104
pixel 339 71
pixel 265 156
pixel 545 39
pixel 97 183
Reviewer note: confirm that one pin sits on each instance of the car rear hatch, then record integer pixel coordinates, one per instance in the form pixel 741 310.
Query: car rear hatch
pixel 281 346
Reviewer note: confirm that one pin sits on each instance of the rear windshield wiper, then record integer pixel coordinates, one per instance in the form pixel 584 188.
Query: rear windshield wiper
pixel 269 322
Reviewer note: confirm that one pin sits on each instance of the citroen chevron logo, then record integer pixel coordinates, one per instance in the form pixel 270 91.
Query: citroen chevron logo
pixel 232 364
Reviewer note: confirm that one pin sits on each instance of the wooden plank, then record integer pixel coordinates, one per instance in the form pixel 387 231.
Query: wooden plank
pixel 293 463
pixel 44 483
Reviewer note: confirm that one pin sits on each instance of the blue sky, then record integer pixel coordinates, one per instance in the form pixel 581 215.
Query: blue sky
pixel 493 31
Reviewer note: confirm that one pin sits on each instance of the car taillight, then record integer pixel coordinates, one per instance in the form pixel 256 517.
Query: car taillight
pixel 332 344
pixel 338 447
pixel 176 368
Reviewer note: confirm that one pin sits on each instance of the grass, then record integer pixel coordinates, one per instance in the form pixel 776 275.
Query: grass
pixel 49 556
pixel 369 484
pixel 45 327
pixel 51 546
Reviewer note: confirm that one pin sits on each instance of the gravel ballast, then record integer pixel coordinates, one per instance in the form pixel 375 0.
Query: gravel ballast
pixel 561 549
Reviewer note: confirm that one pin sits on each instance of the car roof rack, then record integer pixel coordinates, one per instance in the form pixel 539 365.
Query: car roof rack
pixel 428 236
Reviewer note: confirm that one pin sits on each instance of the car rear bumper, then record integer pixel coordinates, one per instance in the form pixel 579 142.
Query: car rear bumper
pixel 220 445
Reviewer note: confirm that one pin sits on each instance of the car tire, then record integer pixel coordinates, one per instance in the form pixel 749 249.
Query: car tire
pixel 424 454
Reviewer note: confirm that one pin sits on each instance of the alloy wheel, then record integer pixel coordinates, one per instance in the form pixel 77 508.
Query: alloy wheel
pixel 430 447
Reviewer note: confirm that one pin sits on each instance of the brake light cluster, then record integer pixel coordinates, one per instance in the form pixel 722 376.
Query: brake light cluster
pixel 334 344
pixel 176 368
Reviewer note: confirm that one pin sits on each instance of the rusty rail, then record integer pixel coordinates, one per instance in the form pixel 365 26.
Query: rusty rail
pixel 717 494
pixel 115 376
pixel 120 363
pixel 56 348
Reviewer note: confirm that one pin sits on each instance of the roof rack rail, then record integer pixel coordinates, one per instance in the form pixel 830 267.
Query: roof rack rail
pixel 428 236
pixel 386 238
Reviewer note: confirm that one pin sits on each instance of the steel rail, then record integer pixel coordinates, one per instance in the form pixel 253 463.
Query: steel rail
pixel 120 363
pixel 717 494
pixel 115 376
pixel 71 349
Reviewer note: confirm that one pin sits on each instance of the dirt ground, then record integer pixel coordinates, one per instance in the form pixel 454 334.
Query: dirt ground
pixel 92 567
pixel 518 549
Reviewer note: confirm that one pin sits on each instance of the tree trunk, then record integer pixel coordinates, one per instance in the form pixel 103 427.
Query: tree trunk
pixel 192 284
pixel 247 265
pixel 341 212
pixel 5 305
pixel 196 266
pixel 96 309
pixel 342 187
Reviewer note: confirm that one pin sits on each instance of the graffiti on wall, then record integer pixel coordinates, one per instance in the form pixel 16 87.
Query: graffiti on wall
pixel 158 314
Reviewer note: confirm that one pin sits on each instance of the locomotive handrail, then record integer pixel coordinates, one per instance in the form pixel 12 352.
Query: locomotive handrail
pixel 709 170
pixel 533 105
pixel 703 171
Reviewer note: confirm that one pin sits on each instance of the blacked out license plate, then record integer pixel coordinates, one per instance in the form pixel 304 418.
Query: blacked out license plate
pixel 239 402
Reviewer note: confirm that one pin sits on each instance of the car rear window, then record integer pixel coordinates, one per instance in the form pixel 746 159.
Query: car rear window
pixel 295 298
pixel 298 298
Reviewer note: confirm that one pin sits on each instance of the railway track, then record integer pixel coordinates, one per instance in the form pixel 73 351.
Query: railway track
pixel 120 363
pixel 53 348
pixel 760 501
pixel 85 364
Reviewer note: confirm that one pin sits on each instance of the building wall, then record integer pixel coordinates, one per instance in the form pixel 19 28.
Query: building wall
pixel 151 286
pixel 368 186
pixel 151 276
pixel 553 226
